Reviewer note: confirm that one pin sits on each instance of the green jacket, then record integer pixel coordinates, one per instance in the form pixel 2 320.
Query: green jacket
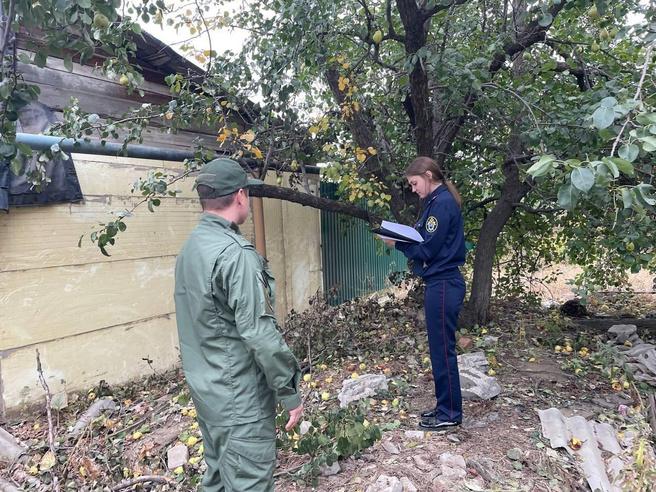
pixel 236 363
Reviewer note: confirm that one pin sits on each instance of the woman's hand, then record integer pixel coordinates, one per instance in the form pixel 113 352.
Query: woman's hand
pixel 389 242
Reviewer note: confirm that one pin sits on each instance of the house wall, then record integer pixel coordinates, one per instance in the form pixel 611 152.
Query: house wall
pixel 94 317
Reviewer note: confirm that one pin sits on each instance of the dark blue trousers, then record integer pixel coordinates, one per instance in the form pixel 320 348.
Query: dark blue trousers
pixel 442 303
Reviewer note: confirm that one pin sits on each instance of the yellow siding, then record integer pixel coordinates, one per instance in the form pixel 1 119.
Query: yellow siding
pixel 52 303
pixel 94 317
pixel 81 361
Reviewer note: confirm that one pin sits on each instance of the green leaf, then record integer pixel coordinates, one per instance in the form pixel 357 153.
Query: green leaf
pixel 612 167
pixel 85 4
pixel 546 20
pixel 645 193
pixel 5 89
pixel 648 143
pixel 7 150
pixel 567 196
pixel 603 117
pixel 646 118
pixel 583 179
pixel 16 166
pixel 24 149
pixel 629 152
pixel 627 198
pixel 623 165
pixel 68 63
pixel 542 166
pixel 40 59
pixel 608 102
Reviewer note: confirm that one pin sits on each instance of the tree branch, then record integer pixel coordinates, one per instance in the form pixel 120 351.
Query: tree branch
pixel 650 48
pixel 307 200
pixel 531 34
pixel 416 34
pixel 363 135
pixel 391 33
pixel 6 33
pixel 428 13
pixel 143 479
pixel 481 204
pixel 538 210
pixel 51 427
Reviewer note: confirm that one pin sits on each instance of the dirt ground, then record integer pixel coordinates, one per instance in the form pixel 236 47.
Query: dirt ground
pixel 499 442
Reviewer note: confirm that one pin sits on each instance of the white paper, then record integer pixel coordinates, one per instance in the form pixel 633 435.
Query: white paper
pixel 404 230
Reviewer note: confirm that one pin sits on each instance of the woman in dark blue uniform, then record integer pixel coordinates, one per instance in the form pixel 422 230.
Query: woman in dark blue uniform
pixel 437 261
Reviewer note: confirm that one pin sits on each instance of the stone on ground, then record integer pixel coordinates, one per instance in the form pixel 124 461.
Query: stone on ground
pixel 177 456
pixel 331 470
pixel 364 386
pixel 385 484
pixel 10 449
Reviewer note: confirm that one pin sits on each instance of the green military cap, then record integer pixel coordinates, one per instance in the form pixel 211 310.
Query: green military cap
pixel 225 176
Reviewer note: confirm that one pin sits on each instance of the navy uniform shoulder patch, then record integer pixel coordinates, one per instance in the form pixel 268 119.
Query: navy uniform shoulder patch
pixel 431 224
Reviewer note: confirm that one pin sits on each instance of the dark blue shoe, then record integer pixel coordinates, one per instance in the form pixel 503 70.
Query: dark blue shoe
pixel 433 424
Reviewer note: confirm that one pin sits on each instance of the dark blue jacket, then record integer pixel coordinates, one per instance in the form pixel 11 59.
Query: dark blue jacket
pixel 442 227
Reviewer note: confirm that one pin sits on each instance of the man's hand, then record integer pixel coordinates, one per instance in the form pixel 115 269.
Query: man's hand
pixel 294 417
pixel 390 242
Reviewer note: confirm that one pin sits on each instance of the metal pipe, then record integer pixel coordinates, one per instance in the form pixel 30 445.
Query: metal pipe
pixel 68 145
pixel 94 146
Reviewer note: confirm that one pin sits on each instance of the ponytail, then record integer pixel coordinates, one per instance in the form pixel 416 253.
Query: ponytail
pixel 422 164
pixel 454 192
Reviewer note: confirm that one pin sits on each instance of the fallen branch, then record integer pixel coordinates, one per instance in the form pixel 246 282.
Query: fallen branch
pixel 288 471
pixel 149 414
pixel 51 427
pixel 92 412
pixel 143 479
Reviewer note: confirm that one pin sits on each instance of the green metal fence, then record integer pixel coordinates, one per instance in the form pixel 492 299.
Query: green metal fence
pixel 354 262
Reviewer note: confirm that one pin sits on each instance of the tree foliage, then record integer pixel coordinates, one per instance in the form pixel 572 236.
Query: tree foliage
pixel 541 111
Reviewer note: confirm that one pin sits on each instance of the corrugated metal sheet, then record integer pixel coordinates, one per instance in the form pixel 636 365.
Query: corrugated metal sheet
pixel 354 262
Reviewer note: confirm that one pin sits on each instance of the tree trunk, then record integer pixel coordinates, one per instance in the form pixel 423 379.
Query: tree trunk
pixel 513 191
pixel 307 200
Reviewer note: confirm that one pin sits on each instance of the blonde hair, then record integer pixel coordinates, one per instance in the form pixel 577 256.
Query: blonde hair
pixel 422 164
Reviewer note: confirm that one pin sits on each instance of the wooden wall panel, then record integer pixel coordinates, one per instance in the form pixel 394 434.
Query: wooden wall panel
pixel 53 303
pixel 95 317
pixel 107 98
pixel 54 64
pixel 104 176
pixel 80 362
pixel 47 237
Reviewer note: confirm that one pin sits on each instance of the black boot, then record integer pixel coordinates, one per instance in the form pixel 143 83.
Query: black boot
pixel 433 424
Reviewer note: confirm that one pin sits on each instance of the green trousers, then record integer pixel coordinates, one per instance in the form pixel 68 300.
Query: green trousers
pixel 239 458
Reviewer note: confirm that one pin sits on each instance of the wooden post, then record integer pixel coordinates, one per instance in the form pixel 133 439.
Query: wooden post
pixel 258 222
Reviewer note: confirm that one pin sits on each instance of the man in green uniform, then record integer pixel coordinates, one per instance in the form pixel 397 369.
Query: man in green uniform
pixel 236 363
